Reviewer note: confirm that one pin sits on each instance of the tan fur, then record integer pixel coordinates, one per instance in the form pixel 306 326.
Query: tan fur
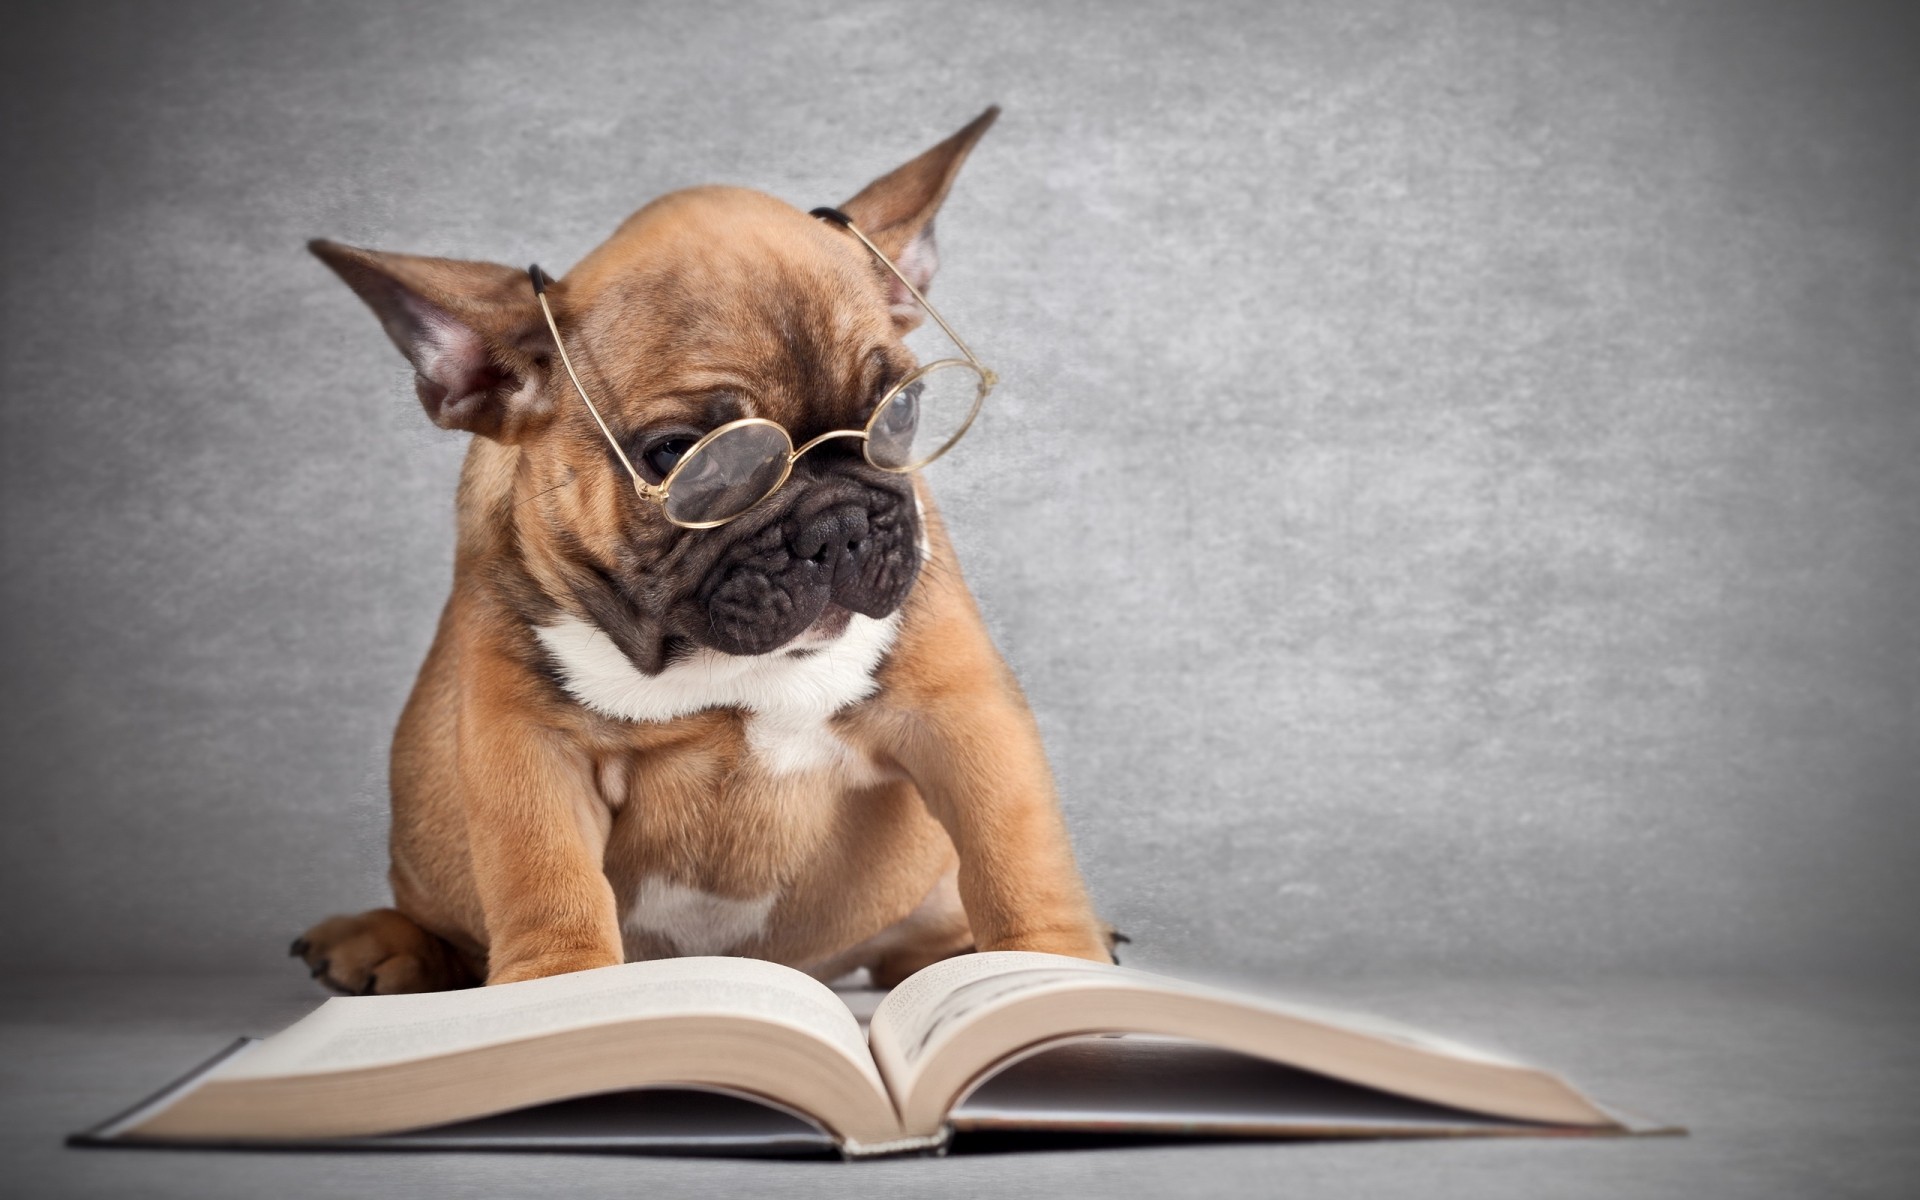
pixel 523 823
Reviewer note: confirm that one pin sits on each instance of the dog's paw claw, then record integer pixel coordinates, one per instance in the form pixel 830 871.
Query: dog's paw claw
pixel 320 968
pixel 373 981
pixel 299 948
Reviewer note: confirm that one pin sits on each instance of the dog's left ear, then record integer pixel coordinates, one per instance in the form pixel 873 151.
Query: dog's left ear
pixel 897 211
pixel 472 331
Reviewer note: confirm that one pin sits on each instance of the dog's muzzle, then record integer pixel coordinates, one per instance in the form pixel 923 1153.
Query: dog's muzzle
pixel 855 550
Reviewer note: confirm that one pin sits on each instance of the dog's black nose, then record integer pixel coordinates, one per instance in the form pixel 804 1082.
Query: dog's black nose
pixel 831 539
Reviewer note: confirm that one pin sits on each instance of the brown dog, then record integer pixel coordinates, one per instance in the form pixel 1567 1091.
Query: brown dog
pixel 788 737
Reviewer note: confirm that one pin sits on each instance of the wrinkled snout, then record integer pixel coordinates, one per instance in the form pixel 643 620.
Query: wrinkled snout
pixel 856 548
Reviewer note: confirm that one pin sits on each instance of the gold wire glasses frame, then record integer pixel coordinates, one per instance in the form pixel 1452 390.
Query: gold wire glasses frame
pixel 740 463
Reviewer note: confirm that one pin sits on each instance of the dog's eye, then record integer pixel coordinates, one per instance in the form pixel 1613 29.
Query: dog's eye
pixel 662 455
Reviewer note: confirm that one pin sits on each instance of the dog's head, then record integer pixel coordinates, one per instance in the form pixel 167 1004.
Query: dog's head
pixel 705 306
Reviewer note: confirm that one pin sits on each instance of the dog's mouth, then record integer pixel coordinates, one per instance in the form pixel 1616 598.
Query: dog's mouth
pixel 797 581
pixel 833 622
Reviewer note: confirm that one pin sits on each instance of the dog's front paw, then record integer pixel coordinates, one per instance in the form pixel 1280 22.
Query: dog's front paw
pixel 1090 942
pixel 381 952
pixel 509 968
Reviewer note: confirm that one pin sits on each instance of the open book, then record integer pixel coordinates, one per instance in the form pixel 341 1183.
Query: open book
pixel 998 1041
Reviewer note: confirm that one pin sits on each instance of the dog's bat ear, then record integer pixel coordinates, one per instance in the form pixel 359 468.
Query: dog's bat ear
pixel 468 328
pixel 897 211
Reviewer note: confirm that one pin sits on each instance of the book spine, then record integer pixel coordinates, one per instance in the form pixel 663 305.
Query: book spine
pixel 109 1130
pixel 931 1146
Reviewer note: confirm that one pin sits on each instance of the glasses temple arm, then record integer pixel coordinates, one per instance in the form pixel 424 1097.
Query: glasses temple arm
pixel 540 282
pixel 841 219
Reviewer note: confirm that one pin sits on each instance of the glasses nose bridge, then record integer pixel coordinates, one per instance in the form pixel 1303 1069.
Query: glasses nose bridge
pixel 825 437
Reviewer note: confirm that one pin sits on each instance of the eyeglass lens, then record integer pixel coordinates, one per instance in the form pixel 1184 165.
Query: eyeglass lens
pixel 920 420
pixel 742 466
pixel 728 475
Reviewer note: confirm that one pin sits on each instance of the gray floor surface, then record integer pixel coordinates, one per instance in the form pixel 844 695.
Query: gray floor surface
pixel 1797 1088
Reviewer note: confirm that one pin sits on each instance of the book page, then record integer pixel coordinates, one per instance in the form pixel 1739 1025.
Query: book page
pixel 931 1002
pixel 934 1001
pixel 940 1031
pixel 351 1032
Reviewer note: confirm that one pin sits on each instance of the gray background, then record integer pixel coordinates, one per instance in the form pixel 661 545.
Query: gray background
pixel 1452 500
pixel 1452 503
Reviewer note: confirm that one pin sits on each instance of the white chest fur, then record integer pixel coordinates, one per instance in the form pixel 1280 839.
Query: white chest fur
pixel 788 697
pixel 695 922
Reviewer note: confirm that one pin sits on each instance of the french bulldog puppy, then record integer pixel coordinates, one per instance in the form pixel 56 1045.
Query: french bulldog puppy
pixel 788 737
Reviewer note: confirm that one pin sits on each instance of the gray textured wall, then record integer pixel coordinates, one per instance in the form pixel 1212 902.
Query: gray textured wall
pixel 1452 501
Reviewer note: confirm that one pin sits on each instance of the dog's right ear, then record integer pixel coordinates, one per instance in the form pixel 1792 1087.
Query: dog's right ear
pixel 472 331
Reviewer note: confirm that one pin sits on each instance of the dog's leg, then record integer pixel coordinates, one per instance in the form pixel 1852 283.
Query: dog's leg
pixel 975 754
pixel 380 953
pixel 970 744
pixel 537 832
pixel 985 777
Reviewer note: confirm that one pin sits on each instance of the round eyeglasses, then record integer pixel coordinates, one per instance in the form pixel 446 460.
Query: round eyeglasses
pixel 736 466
